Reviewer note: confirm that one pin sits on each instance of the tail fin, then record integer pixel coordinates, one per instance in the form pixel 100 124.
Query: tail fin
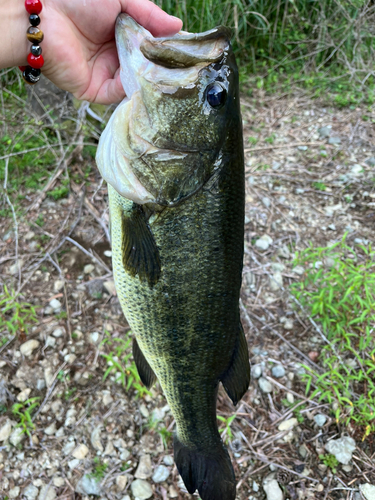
pixel 209 472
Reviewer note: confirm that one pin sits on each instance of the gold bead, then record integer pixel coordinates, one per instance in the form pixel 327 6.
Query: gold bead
pixel 34 35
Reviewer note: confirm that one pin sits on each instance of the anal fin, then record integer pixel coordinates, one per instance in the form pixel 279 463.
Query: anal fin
pixel 236 379
pixel 145 371
pixel 140 255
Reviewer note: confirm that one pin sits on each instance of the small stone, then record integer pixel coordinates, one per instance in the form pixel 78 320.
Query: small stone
pixel 356 169
pixel 58 481
pixel 59 332
pixel 278 371
pixel 368 491
pixel 14 492
pixel 302 450
pixel 144 411
pixel 256 371
pixel 107 398
pixel 255 486
pixel 88 485
pixel 334 140
pixel 144 469
pixel 109 449
pixel 288 325
pixel 94 337
pixel 121 482
pixel 273 490
pixel 266 202
pixel 17 436
pixel 276 281
pixel 172 492
pixel 5 430
pixel 290 398
pixel 28 347
pixel 55 304
pixel 264 242
pixel 324 131
pixel 110 287
pixel 370 161
pixel 73 464
pixel 320 419
pixel 287 425
pixel 168 460
pixel 47 493
pixel 80 452
pixel 124 455
pixel 95 439
pixel 15 268
pixel 347 468
pixel 88 269
pixel 161 474
pixel 30 492
pixel 68 447
pixel 264 385
pixel 141 489
pixel 298 270
pixel 342 448
pixel 302 148
pixel 29 235
pixel 50 430
pixel 58 285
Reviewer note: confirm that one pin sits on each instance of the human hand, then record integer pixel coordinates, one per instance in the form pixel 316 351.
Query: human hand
pixel 79 47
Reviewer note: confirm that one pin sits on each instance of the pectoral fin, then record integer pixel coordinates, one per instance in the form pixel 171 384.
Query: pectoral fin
pixel 140 255
pixel 145 371
pixel 237 377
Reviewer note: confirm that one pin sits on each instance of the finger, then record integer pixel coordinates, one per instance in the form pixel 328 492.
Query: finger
pixel 111 91
pixel 150 16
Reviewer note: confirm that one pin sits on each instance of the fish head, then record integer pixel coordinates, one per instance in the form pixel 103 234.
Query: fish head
pixel 167 138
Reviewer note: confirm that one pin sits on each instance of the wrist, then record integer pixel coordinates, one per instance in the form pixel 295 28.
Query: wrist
pixel 15 23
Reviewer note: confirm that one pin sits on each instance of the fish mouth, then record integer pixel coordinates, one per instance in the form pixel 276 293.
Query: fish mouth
pixel 171 65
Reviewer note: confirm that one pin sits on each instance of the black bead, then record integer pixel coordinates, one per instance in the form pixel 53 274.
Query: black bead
pixel 34 19
pixel 36 50
pixel 31 75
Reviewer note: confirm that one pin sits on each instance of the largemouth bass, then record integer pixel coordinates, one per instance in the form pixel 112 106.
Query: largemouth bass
pixel 172 154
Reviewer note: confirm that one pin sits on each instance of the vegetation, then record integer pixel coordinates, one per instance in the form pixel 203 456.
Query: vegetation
pixel 338 291
pixel 23 412
pixel 16 316
pixel 227 428
pixel 99 471
pixel 330 461
pixel 322 45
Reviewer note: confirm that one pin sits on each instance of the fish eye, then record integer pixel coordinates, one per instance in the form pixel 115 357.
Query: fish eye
pixel 216 95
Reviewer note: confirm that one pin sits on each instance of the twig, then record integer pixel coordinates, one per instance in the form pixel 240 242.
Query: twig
pixel 14 218
pixel 281 146
pixel 86 252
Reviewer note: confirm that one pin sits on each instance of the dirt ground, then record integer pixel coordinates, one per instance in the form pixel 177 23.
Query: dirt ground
pixel 93 436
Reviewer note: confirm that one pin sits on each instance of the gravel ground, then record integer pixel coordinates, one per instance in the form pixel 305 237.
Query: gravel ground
pixel 92 436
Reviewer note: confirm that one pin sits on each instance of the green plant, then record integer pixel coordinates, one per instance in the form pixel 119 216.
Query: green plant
pixel 156 425
pixel 338 292
pixel 99 469
pixel 297 409
pixel 23 411
pixel 320 186
pixel 330 461
pixel 16 316
pixel 227 429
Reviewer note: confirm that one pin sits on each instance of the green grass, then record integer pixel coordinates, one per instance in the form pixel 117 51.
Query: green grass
pixel 227 426
pixel 158 426
pixel 16 316
pixel 338 291
pixel 22 412
pixel 99 471
pixel 330 461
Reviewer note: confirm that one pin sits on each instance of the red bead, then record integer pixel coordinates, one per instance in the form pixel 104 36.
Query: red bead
pixel 35 61
pixel 33 6
pixel 22 68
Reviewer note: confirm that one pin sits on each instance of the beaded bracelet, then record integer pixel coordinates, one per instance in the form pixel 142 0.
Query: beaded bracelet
pixel 31 73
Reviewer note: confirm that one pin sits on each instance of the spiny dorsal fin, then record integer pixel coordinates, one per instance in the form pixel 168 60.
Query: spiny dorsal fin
pixel 140 255
pixel 237 377
pixel 145 371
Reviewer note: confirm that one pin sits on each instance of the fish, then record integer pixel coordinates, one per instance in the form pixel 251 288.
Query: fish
pixel 172 155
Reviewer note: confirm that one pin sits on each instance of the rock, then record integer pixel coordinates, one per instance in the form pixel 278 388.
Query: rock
pixel 80 452
pixel 342 448
pixel 273 490
pixel 266 202
pixel 17 436
pixel 356 169
pixel 278 371
pixel 68 447
pixel 255 486
pixel 334 140
pixel 88 269
pixel 29 235
pixel 276 281
pixel 144 411
pixel 121 482
pixel 302 450
pixel 110 287
pixel 287 425
pixel 14 492
pixel 141 489
pixel 94 337
pixel 5 430
pixel 50 341
pixel 324 131
pixel 47 493
pixel 15 268
pixel 370 161
pixel 51 429
pixel 172 492
pixel 56 305
pixel 256 371
pixel 95 439
pixel 108 253
pixel 30 492
pixel 88 485
pixel 58 481
pixel 368 491
pixel 264 385
pixel 28 347
pixel 298 270
pixel 264 242
pixel 124 455
pixel 58 285
pixel 288 325
pixel 161 474
pixel 168 460
pixel 59 332
pixel 320 419
pixel 144 469
pixel 73 464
